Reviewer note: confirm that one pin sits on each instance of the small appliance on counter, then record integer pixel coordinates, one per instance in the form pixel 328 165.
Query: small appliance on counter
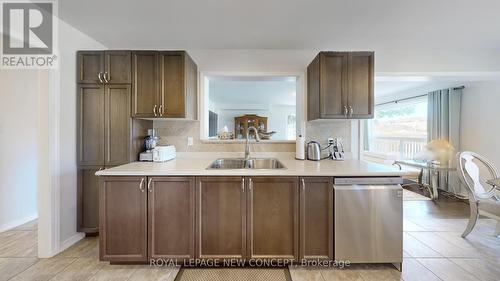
pixel 337 150
pixel 163 153
pixel 149 145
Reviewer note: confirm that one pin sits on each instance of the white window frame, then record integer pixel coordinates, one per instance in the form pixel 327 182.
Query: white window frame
pixel 203 100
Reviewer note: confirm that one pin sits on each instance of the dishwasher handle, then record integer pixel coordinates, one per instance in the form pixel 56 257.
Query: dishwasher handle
pixel 368 181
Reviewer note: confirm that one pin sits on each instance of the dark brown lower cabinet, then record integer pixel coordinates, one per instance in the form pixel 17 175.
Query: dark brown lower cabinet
pixel 123 219
pixel 273 222
pixel 88 199
pixel 221 217
pixel 171 217
pixel 316 218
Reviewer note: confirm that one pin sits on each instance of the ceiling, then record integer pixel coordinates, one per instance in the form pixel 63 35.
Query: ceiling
pixel 287 24
pixel 241 93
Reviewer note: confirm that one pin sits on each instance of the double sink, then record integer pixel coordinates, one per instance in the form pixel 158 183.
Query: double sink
pixel 241 163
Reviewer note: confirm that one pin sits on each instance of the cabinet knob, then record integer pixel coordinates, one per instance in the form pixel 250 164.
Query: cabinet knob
pixel 243 184
pixel 303 184
pixel 106 76
pixel 154 110
pixel 345 111
pixel 351 111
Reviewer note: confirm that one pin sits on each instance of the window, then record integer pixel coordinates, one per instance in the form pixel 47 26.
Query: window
pixel 399 129
pixel 235 103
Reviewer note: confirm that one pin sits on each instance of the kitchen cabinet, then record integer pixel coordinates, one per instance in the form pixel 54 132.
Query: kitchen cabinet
pixel 171 217
pixel 145 84
pixel 272 220
pixel 221 217
pixel 123 219
pixel 103 130
pixel 117 124
pixel 164 85
pixel 316 218
pixel 104 67
pixel 88 199
pixel 340 86
pixel 90 127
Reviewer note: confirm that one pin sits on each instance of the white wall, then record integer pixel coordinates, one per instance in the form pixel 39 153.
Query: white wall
pixel 70 40
pixel 480 129
pixel 19 90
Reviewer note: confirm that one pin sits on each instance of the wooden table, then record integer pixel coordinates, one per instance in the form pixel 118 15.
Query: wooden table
pixel 433 169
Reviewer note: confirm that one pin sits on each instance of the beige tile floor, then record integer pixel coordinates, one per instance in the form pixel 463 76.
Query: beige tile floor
pixel 433 250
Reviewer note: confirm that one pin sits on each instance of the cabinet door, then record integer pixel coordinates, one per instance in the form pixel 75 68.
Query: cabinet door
pixel 90 108
pixel 333 79
pixel 273 225
pixel 220 218
pixel 117 124
pixel 88 199
pixel 118 67
pixel 145 83
pixel 360 85
pixel 90 64
pixel 123 219
pixel 316 218
pixel 172 81
pixel 171 217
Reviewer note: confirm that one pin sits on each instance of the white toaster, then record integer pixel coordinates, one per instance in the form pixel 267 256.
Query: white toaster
pixel 163 153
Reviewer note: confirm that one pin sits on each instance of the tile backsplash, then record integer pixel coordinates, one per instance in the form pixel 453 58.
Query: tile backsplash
pixel 176 132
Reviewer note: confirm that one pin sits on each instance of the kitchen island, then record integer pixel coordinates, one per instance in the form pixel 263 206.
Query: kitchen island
pixel 180 210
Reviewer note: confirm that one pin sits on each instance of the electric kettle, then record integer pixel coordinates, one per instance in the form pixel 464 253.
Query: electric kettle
pixel 313 151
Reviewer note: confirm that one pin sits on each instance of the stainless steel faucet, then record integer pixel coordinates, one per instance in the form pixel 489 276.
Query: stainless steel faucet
pixel 247 145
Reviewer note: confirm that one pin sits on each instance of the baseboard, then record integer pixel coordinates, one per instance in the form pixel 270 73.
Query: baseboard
pixel 71 241
pixel 16 223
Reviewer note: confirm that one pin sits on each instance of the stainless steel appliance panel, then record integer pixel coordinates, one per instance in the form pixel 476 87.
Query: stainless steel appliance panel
pixel 369 223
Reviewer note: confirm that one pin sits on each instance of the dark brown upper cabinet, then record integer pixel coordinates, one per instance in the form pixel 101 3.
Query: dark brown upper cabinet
pixel 340 86
pixel 316 218
pixel 103 128
pixel 104 67
pixel 164 85
pixel 145 84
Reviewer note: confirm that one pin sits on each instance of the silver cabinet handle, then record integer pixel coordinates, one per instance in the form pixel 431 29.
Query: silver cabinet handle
pixel 150 187
pixel 99 77
pixel 345 111
pixel 243 184
pixel 106 75
pixel 303 184
pixel 251 184
pixel 141 186
pixel 154 111
pixel 351 111
pixel 160 109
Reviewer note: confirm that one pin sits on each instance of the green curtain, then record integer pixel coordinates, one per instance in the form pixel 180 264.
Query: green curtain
pixel 443 122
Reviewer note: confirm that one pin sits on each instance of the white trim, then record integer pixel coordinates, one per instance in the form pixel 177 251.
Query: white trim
pixel 18 222
pixel 48 191
pixel 203 93
pixel 71 241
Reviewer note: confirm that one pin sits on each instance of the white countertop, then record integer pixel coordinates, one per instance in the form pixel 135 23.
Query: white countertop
pixel 196 163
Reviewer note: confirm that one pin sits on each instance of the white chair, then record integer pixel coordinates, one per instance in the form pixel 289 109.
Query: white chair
pixel 484 199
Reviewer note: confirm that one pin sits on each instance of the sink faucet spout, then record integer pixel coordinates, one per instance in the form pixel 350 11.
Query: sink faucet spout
pixel 247 144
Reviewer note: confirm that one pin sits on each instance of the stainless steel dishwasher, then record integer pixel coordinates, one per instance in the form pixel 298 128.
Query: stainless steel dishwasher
pixel 369 220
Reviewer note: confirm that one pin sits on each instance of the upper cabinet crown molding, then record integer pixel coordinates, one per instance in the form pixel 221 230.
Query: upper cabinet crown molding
pixel 340 86
pixel 164 85
pixel 104 67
